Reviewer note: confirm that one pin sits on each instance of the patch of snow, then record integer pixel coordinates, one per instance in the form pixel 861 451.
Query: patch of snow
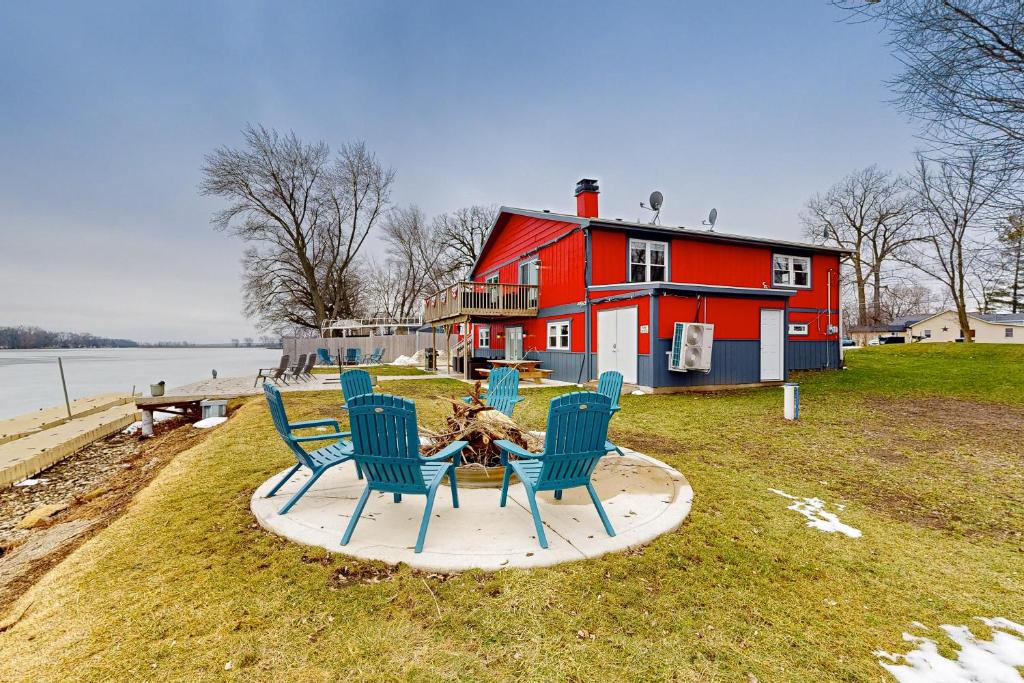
pixel 814 510
pixel 977 660
pixel 404 360
pixel 637 392
pixel 209 422
pixel 30 482
pixel 157 417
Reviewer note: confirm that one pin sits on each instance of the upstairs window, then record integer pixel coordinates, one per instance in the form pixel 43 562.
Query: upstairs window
pixel 791 271
pixel 648 261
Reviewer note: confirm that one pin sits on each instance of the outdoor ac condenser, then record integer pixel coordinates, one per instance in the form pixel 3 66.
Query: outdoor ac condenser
pixel 691 347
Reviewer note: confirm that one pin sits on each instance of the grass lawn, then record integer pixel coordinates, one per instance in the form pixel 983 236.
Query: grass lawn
pixel 376 370
pixel 923 444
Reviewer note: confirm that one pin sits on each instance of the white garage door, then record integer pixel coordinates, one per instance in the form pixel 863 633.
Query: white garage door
pixel 617 342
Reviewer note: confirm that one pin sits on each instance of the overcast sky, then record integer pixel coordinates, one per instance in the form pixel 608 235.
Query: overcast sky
pixel 107 109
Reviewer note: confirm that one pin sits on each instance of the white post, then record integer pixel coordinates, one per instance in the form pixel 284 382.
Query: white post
pixel 791 402
pixel 147 423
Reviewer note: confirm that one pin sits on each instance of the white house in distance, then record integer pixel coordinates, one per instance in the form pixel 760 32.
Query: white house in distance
pixel 986 328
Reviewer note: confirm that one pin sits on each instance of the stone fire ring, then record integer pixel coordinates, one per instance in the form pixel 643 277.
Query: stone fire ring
pixel 644 498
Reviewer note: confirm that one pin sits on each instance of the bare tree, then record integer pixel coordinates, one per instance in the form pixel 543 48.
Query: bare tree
pixel 871 213
pixel 906 298
pixel 963 69
pixel 306 216
pixel 956 198
pixel 1006 263
pixel 463 233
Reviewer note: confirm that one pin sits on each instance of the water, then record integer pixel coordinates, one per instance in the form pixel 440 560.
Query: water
pixel 30 380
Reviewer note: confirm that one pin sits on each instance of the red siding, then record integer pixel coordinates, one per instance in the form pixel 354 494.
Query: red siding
pixel 714 263
pixel 732 317
pixel 817 295
pixel 608 253
pixel 515 237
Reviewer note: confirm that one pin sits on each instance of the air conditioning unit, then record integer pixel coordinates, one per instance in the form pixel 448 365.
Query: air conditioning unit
pixel 691 347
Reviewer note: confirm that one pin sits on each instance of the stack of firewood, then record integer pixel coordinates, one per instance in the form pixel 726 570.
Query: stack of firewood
pixel 481 427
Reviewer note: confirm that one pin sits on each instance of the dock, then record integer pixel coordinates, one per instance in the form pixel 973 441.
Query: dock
pixel 32 442
pixel 185 400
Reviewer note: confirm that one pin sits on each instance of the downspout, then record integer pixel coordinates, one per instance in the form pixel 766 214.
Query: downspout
pixel 828 318
pixel 586 306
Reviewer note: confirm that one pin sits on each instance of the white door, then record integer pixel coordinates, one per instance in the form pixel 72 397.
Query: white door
pixel 617 342
pixel 771 344
pixel 514 343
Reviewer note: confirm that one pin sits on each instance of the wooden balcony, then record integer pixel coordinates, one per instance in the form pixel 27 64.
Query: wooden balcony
pixel 465 301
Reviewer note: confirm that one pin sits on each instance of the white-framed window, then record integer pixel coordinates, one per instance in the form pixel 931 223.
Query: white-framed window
pixel 648 261
pixel 493 293
pixel 558 336
pixel 799 329
pixel 483 338
pixel 791 271
pixel 529 274
pixel 1008 333
pixel 927 334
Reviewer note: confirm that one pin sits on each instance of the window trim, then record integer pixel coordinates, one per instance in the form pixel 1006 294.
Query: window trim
pixel 568 335
pixel 519 269
pixel 791 329
pixel 792 276
pixel 1008 333
pixel 481 343
pixel 926 334
pixel 629 259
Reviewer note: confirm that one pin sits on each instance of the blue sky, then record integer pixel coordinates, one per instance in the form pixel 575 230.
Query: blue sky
pixel 107 109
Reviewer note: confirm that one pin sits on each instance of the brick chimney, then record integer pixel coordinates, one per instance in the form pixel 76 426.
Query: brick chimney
pixel 586 198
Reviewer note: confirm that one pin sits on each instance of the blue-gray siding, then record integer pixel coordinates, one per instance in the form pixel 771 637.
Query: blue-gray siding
pixel 811 355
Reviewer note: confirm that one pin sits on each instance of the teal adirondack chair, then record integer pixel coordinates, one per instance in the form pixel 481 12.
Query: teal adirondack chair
pixel 325 356
pixel 502 390
pixel 386 447
pixel 351 356
pixel 575 441
pixel 374 358
pixel 610 384
pixel 318 461
pixel 355 383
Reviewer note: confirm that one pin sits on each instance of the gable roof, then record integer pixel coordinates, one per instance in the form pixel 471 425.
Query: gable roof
pixel 667 230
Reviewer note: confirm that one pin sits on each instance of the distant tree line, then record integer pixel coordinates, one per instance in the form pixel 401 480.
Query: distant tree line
pixel 25 337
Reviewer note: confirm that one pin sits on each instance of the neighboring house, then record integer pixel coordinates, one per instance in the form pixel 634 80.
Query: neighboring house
pixel 584 294
pixel 986 328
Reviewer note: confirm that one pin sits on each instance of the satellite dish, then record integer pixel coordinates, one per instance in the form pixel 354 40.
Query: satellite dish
pixel 712 219
pixel 656 199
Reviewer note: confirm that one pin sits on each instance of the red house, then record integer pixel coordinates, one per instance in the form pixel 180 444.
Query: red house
pixel 585 294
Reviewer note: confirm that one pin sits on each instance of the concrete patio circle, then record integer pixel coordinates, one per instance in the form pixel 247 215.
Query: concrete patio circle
pixel 644 498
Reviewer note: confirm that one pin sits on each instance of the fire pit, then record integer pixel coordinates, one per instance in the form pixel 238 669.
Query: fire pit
pixel 481 426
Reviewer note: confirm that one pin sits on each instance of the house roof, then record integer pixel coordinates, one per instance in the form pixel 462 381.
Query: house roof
pixel 905 322
pixel 677 231
pixel 1007 318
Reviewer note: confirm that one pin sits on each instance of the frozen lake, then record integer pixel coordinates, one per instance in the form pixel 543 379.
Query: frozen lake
pixel 30 380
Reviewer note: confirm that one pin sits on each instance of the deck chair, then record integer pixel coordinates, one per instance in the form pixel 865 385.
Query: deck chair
pixel 307 369
pixel 610 384
pixel 274 374
pixel 502 390
pixel 355 383
pixel 295 372
pixel 577 433
pixel 351 356
pixel 375 358
pixel 324 356
pixel 318 461
pixel 386 447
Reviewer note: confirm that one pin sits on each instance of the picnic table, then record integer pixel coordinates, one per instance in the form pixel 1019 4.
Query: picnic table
pixel 528 369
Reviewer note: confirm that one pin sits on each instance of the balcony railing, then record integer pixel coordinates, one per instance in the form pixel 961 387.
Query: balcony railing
pixel 481 300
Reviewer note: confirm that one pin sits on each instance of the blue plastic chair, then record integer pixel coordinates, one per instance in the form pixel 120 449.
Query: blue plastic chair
pixel 502 390
pixel 610 384
pixel 325 356
pixel 576 439
pixel 355 383
pixel 386 447
pixel 375 358
pixel 318 461
pixel 351 356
